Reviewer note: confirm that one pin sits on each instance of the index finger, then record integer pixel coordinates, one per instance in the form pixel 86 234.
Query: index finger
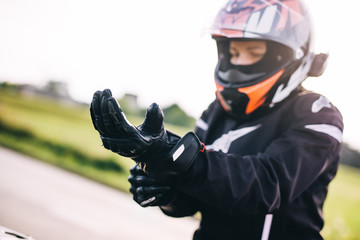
pixel 95 113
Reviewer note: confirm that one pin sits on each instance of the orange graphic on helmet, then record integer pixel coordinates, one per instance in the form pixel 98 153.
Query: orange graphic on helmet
pixel 257 93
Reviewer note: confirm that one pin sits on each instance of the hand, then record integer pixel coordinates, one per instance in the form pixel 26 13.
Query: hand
pixel 147 191
pixel 176 162
pixel 120 136
pixel 162 154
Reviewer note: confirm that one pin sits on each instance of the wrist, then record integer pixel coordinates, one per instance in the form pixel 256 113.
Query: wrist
pixel 176 162
pixel 185 152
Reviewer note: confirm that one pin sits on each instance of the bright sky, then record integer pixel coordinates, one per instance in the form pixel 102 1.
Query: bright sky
pixel 156 49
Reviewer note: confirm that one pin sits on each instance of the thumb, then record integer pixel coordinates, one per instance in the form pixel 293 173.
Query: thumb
pixel 154 120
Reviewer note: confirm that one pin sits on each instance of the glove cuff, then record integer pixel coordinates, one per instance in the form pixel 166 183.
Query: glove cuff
pixel 185 152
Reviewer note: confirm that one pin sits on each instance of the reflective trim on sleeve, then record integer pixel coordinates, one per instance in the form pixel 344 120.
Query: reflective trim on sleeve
pixel 202 124
pixel 178 152
pixel 330 130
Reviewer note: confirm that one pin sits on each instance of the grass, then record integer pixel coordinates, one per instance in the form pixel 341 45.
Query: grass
pixel 342 207
pixel 63 135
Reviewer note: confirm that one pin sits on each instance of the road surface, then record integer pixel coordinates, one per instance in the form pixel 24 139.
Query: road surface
pixel 48 203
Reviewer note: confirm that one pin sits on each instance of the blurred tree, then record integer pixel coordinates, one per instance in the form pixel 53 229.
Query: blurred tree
pixel 175 115
pixel 130 105
pixel 56 89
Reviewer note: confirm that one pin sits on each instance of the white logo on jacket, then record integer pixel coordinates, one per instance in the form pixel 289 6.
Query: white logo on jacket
pixel 224 142
pixel 319 104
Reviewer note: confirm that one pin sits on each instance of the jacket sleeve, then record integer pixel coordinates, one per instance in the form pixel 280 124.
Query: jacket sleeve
pixel 263 182
pixel 184 204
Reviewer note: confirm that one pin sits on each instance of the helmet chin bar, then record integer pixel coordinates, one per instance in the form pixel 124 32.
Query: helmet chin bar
pixel 233 101
pixel 245 100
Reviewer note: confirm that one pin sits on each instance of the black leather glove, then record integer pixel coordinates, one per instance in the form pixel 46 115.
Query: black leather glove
pixel 120 136
pixel 163 155
pixel 176 162
pixel 148 191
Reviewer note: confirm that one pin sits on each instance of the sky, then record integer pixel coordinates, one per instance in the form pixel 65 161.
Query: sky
pixel 158 50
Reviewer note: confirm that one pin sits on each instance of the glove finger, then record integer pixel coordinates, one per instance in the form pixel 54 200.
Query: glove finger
pixel 96 113
pixel 146 190
pixel 154 120
pixel 132 189
pixel 92 110
pixel 136 180
pixel 136 170
pixel 141 180
pixel 130 141
pixel 124 138
pixel 118 118
pixel 107 121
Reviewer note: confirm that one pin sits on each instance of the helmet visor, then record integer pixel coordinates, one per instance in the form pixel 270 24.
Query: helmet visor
pixel 230 75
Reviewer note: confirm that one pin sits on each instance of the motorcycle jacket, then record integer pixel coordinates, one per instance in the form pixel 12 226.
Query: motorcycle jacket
pixel 265 176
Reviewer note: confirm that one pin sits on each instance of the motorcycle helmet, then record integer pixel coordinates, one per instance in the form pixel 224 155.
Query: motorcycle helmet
pixel 285 27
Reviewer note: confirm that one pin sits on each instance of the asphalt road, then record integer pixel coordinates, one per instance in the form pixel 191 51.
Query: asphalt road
pixel 48 203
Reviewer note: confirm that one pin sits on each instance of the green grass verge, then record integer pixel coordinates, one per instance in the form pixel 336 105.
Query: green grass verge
pixel 342 206
pixel 107 170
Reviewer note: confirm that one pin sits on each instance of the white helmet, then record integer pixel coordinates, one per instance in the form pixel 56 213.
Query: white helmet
pixel 285 27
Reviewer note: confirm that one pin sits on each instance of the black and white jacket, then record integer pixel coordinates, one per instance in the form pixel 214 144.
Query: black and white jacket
pixel 265 177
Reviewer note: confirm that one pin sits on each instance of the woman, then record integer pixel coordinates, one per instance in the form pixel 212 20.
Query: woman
pixel 272 147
